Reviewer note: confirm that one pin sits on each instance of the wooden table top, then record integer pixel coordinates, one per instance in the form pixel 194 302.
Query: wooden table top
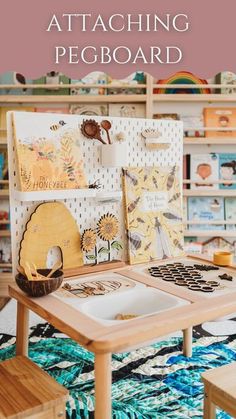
pixel 100 338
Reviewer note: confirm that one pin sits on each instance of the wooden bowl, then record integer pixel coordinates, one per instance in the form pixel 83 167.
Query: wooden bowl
pixel 40 288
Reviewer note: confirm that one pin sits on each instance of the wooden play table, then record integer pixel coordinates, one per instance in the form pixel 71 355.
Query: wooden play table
pixel 103 340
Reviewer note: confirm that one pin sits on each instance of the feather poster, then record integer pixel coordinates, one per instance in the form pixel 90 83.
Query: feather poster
pixel 153 208
pixel 48 152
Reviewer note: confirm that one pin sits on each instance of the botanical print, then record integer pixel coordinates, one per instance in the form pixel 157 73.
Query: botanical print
pixel 48 162
pixel 153 213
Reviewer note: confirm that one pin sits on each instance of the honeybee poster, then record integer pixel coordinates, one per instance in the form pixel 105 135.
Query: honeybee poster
pixel 48 152
pixel 153 213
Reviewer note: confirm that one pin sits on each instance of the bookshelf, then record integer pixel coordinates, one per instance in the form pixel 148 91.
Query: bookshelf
pixel 161 103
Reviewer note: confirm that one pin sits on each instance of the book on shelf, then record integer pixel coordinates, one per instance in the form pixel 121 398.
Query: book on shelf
pixel 230 212
pixel 4 214
pixel 227 170
pixel 216 244
pixel 153 212
pixel 89 109
pixel 204 167
pixel 206 209
pixel 222 118
pixel 5 250
pixel 193 125
pixel 96 77
pixel 226 77
pixel 192 245
pixel 127 110
pixel 58 110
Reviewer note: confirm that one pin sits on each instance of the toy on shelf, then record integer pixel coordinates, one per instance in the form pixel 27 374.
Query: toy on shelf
pixel 182 77
pixel 107 230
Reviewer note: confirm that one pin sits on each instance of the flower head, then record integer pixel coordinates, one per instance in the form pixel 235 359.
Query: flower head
pixel 88 240
pixel 107 227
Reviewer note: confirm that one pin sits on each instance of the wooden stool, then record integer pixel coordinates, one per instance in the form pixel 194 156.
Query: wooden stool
pixel 26 391
pixel 220 390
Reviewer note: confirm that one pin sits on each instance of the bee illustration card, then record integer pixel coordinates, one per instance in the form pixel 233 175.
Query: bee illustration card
pixel 48 152
pixel 153 208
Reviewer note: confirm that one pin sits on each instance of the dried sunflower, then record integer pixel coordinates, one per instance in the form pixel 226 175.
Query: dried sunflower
pixel 107 227
pixel 88 240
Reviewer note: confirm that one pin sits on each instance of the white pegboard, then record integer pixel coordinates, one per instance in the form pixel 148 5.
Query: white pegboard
pixel 87 211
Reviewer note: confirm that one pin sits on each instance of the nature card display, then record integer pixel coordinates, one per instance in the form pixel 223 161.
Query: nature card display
pixel 89 109
pixel 206 209
pixel 221 118
pixel 227 170
pixel 127 110
pixel 48 152
pixel 96 77
pixel 193 125
pixel 230 212
pixel 204 170
pixel 153 211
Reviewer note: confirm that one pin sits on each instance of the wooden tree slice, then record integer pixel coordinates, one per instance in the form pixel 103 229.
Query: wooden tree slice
pixel 51 225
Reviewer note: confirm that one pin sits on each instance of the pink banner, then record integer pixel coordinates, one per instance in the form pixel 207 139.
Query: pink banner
pixel 77 37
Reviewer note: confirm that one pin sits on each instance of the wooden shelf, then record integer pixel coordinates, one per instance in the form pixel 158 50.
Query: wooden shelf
pixel 209 233
pixel 5 233
pixel 72 86
pixel 72 99
pixel 208 141
pixel 194 97
pixel 217 192
pixel 206 182
pixel 4 193
pixel 5 265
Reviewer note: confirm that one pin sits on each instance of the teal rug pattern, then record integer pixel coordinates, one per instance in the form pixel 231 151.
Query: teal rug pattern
pixel 155 382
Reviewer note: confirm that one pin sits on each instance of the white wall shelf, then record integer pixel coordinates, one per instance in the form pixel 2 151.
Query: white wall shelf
pixel 55 194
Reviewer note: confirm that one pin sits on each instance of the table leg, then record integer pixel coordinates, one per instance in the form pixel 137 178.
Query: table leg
pixel 103 380
pixel 187 341
pixel 209 407
pixel 22 329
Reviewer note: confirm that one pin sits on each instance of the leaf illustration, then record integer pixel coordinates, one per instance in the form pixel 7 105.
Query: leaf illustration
pixel 103 250
pixel 91 257
pixel 116 245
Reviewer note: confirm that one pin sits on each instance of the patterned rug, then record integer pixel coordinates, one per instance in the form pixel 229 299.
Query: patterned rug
pixel 156 382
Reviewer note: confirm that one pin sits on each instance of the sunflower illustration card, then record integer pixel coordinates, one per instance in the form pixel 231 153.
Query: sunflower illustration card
pixel 48 152
pixel 153 210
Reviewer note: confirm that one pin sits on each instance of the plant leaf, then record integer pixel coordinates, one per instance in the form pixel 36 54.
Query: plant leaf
pixel 103 250
pixel 91 257
pixel 116 245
